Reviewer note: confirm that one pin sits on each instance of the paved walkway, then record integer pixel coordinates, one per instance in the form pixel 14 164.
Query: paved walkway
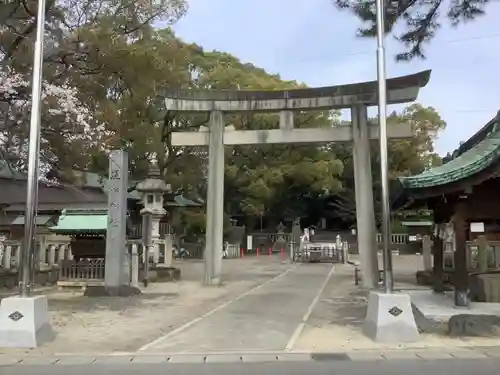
pixel 266 318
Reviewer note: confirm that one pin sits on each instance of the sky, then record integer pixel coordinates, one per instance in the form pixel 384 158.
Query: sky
pixel 311 41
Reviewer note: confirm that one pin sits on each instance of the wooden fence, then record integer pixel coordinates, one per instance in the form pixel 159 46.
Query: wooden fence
pixel 89 269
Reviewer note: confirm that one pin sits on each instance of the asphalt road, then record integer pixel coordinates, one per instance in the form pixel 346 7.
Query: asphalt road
pixel 407 367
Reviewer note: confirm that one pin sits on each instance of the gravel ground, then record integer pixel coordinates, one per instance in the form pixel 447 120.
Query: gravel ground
pixel 336 321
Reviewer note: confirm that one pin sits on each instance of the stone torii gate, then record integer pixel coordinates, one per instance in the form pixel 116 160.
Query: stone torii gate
pixel 357 97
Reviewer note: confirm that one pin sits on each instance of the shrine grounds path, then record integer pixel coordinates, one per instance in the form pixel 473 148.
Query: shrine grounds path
pixel 267 318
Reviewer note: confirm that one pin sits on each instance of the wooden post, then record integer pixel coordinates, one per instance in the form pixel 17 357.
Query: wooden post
pixel 461 273
pixel 438 265
pixel 426 252
pixel 482 253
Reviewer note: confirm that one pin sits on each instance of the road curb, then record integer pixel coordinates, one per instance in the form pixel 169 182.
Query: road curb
pixel 119 359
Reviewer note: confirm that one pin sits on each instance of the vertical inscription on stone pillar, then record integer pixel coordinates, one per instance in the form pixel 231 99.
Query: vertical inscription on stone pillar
pixel 117 212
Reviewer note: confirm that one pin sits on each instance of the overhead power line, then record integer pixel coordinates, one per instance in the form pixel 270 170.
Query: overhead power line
pixel 450 41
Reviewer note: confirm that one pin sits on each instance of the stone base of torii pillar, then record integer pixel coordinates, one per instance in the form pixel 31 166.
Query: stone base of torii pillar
pixel 390 318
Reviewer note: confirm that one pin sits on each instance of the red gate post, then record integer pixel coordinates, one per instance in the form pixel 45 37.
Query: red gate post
pixel 257 252
pixel 270 251
pixel 242 253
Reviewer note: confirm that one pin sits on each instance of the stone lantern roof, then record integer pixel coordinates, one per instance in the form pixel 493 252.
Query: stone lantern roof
pixel 153 183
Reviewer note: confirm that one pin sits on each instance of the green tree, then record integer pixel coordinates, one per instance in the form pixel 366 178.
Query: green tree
pixel 271 180
pixel 406 156
pixel 421 19
pixel 414 155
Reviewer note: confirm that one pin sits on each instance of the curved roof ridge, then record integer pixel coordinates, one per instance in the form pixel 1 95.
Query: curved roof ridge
pixel 470 161
pixel 480 135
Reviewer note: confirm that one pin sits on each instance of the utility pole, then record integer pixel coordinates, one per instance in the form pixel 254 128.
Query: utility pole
pixel 28 250
pixel 384 168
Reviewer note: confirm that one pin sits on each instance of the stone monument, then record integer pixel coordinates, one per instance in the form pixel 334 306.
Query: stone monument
pixel 116 280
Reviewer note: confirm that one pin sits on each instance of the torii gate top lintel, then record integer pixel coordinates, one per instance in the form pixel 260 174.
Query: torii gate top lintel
pixel 400 90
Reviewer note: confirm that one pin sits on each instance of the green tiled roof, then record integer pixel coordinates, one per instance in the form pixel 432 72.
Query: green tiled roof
pixel 466 162
pixel 82 222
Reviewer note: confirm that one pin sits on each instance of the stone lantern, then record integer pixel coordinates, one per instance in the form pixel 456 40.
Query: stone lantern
pixel 152 190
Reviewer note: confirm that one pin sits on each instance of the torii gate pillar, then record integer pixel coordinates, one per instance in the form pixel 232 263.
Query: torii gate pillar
pixel 215 200
pixel 363 183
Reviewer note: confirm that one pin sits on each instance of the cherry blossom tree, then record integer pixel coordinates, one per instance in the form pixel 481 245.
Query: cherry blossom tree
pixel 61 106
pixel 79 55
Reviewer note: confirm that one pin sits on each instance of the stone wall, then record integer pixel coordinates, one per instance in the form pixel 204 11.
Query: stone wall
pixel 9 277
pixel 485 287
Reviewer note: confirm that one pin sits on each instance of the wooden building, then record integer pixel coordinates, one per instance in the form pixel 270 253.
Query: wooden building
pixel 75 191
pixel 87 232
pixel 464 193
pixel 52 198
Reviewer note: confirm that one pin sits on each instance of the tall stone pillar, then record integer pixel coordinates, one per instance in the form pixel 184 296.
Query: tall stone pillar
pixel 117 214
pixel 116 280
pixel 365 213
pixel 215 200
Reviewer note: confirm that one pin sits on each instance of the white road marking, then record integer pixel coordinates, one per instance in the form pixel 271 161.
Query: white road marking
pixel 291 343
